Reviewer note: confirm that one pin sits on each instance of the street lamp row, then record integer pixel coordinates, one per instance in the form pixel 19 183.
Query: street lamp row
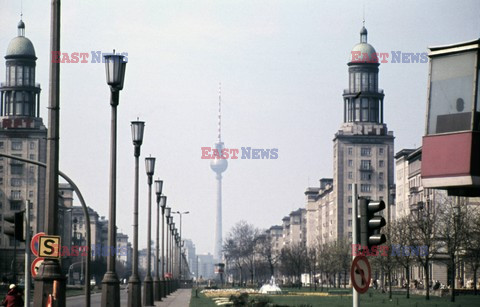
pixel 154 289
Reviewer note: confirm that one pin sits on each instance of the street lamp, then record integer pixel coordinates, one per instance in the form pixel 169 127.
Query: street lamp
pixel 168 211
pixel 148 286
pixel 163 203
pixel 157 295
pixel 180 260
pixel 115 67
pixel 134 285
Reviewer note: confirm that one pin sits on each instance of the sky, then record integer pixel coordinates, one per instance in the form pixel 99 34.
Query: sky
pixel 282 66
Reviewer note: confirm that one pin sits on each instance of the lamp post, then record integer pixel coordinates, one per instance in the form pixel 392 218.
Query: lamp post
pixel 162 283
pixel 170 256
pixel 50 276
pixel 134 284
pixel 157 295
pixel 167 255
pixel 115 67
pixel 148 286
pixel 180 238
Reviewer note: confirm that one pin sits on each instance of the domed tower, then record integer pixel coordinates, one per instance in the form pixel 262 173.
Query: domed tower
pixel 22 134
pixel 219 165
pixel 363 146
pixel 363 101
pixel 20 95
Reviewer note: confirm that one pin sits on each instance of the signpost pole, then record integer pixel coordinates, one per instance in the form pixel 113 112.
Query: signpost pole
pixel 355 296
pixel 27 254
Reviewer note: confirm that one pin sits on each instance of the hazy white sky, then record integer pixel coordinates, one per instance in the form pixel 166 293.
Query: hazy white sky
pixel 282 65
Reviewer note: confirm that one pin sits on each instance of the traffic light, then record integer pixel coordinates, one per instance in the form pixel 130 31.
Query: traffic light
pixel 15 225
pixel 370 224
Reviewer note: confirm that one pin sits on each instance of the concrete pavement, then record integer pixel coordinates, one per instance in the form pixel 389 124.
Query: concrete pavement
pixel 180 298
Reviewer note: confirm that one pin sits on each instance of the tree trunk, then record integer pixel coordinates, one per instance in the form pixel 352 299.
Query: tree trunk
pixel 408 281
pixel 452 298
pixel 345 279
pixel 427 273
pixel 475 280
pixel 389 283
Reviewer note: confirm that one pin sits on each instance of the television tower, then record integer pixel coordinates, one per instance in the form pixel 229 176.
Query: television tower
pixel 219 165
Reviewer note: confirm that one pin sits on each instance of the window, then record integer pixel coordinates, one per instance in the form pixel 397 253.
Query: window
pixel 349 187
pixel 365 82
pixel 381 163
pixel 15 205
pixel 380 151
pixel 365 151
pixel 30 194
pixel 365 110
pixel 350 198
pixel 350 175
pixel 27 75
pixel 16 145
pixel 350 151
pixel 20 75
pixel 380 187
pixel 16 169
pixel 1 207
pixel 12 75
pixel 1 145
pixel 32 145
pixel 1 168
pixel 15 194
pixel 32 157
pixel 1 180
pixel 349 223
pixel 350 162
pixel 31 169
pixel 357 81
pixel 16 182
pixel 365 165
pixel 349 210
pixel 380 175
pixel 365 187
pixel 366 176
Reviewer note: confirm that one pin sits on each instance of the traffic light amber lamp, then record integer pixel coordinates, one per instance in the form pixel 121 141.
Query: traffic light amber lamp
pixel 451 146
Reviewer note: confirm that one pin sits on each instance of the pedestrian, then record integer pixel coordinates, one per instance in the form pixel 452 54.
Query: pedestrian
pixel 13 297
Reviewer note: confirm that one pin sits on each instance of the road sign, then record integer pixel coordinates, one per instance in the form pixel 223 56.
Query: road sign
pixel 49 246
pixel 36 265
pixel 34 243
pixel 360 274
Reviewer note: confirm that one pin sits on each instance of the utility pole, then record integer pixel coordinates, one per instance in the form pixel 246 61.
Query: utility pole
pixel 355 296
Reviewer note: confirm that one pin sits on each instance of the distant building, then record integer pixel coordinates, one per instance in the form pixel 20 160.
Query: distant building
pixel 206 266
pixel 191 256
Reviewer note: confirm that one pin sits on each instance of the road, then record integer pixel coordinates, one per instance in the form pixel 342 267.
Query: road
pixel 79 301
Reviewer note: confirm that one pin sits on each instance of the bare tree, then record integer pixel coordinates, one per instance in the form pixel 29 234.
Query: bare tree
pixel 452 230
pixel 401 233
pixel 292 259
pixel 239 247
pixel 425 233
pixel 472 244
pixel 265 249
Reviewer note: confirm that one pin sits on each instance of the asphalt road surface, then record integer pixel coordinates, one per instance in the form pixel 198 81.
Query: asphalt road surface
pixel 95 299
